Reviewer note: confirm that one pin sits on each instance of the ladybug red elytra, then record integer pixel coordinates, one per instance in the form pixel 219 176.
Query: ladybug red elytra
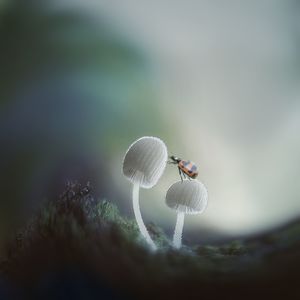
pixel 185 167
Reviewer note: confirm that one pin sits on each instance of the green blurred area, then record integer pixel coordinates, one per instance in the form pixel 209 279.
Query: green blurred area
pixel 72 92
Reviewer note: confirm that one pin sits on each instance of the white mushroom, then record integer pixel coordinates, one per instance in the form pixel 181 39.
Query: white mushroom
pixel 144 163
pixel 187 197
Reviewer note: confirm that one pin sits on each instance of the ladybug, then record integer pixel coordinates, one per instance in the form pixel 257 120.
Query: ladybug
pixel 186 168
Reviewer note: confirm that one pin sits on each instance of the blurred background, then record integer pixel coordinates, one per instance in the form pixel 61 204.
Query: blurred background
pixel 218 82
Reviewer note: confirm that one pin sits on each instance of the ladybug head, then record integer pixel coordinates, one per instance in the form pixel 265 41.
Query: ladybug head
pixel 175 159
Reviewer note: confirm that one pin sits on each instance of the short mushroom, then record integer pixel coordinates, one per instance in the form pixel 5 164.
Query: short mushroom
pixel 144 163
pixel 187 197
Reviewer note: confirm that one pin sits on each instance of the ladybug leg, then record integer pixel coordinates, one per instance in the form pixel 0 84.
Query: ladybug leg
pixel 180 173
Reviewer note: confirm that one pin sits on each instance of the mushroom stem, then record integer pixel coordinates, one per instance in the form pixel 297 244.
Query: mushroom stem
pixel 178 230
pixel 138 216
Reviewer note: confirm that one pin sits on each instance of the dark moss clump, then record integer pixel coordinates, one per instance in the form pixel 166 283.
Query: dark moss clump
pixel 78 247
pixel 234 248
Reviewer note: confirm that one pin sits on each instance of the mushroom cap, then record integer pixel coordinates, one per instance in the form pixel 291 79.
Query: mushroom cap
pixel 145 161
pixel 188 196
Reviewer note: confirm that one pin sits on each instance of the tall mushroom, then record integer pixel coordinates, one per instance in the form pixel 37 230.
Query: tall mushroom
pixel 187 197
pixel 144 163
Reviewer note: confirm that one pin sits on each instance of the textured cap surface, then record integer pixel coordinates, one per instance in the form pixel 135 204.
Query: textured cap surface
pixel 189 196
pixel 145 161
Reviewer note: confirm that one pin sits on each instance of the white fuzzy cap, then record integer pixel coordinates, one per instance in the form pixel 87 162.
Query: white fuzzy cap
pixel 188 196
pixel 145 161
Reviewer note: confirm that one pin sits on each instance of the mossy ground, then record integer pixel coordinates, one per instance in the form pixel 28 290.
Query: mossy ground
pixel 78 247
